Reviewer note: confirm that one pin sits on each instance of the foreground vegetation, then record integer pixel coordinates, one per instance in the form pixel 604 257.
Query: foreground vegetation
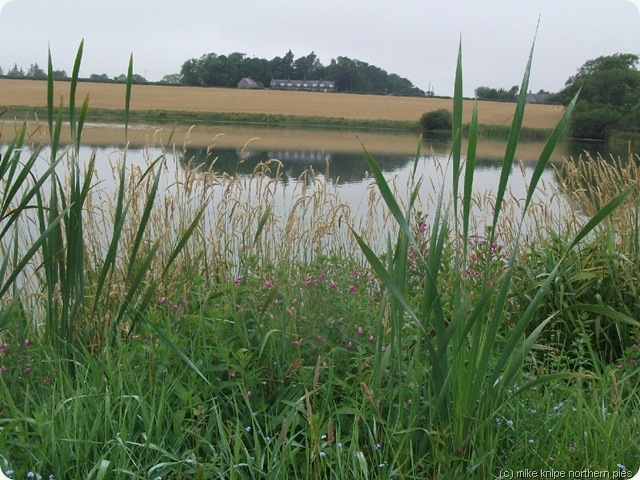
pixel 196 334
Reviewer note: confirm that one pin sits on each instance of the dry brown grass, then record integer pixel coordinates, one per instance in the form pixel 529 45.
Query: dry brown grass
pixel 337 105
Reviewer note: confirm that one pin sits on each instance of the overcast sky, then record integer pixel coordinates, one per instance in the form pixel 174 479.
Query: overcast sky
pixel 417 39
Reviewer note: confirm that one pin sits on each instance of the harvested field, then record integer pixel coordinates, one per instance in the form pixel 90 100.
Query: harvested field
pixel 32 93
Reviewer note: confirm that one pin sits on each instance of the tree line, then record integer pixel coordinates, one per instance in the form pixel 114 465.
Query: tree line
pixel 349 75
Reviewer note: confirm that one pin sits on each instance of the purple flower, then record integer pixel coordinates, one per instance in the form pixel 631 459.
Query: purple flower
pixel 360 331
pixel 268 284
pixel 352 289
pixel 372 339
pixel 349 346
pixel 162 301
pixel 238 280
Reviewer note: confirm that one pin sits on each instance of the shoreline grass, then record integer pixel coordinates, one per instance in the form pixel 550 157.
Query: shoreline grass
pixel 196 334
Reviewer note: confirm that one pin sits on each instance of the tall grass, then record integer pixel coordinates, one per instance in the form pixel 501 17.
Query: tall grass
pixel 460 358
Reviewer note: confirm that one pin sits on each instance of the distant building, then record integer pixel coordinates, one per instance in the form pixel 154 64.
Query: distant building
pixel 248 83
pixel 310 85
pixel 537 97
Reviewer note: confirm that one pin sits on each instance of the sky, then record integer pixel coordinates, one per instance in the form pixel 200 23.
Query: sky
pixel 416 39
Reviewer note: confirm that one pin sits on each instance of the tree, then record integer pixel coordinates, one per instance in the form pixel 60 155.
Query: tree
pixel 60 75
pixel 172 79
pixel 1 72
pixel 99 78
pixel 609 96
pixel 441 119
pixel 36 72
pixel 15 72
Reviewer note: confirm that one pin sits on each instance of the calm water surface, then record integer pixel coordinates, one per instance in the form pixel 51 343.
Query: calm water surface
pixel 336 157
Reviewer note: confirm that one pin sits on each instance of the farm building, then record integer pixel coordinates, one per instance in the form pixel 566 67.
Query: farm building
pixel 311 85
pixel 248 83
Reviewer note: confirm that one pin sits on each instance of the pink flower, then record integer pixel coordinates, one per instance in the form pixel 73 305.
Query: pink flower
pixel 308 281
pixel 333 284
pixel 297 343
pixel 238 280
pixel 268 284
pixel 372 339
pixel 162 301
pixel 349 346
pixel 27 342
pixel 319 338
pixel 352 289
pixel 231 373
pixel 322 276
pixel 360 331
pixel 249 394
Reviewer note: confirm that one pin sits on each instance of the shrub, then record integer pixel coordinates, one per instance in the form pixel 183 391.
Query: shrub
pixel 436 120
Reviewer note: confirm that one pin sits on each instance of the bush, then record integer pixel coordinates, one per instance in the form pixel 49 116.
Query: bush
pixel 436 120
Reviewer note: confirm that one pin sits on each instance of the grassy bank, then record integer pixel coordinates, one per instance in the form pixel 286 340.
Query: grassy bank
pixel 187 328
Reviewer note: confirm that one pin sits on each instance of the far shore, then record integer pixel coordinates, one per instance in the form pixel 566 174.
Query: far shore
pixel 185 105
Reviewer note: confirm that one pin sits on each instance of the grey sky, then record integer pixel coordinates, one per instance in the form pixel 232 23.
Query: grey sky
pixel 417 39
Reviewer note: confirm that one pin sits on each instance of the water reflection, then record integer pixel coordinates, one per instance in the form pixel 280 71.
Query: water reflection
pixel 349 168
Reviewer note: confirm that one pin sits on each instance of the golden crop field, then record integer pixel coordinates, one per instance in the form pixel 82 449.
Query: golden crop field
pixel 274 102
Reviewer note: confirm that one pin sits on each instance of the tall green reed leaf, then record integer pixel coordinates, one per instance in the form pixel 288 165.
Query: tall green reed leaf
pixel 471 364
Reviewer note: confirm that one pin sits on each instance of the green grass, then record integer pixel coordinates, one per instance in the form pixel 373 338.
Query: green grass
pixel 197 335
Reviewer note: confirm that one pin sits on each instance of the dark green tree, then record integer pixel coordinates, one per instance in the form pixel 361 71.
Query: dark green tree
pixel 441 119
pixel 609 96
pixel 36 72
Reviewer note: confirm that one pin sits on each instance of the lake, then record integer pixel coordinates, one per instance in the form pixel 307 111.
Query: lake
pixel 332 160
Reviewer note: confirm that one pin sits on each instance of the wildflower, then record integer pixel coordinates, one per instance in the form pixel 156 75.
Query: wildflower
pixel 382 465
pixel 319 338
pixel 4 348
pixel 355 274
pixel 4 369
pixel 531 440
pixel 333 284
pixel 308 281
pixel 231 373
pixel 183 304
pixel 27 370
pixel 162 301
pixel 360 331
pixel 249 395
pixel 322 276
pixel 323 454
pixel 238 280
pixel 509 423
pixel 372 339
pixel 247 429
pixel 296 343
pixel 175 309
pixel 268 284
pixel 352 289
pixel 294 301
pixel 349 346
pixel 27 342
pixel 323 437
